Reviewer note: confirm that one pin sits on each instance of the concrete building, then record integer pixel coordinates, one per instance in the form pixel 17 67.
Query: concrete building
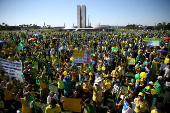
pixel 83 16
pixel 78 16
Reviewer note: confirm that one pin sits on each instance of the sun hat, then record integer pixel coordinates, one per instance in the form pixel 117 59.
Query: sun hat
pixel 150 83
pixel 159 77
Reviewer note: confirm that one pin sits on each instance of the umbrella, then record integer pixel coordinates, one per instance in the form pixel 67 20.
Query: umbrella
pixel 55 38
pixel 2 42
pixel 37 35
pixel 150 44
pixel 31 39
pixel 161 51
pixel 167 38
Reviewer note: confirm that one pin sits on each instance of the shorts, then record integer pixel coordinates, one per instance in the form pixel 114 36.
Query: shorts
pixel 33 81
pixel 44 92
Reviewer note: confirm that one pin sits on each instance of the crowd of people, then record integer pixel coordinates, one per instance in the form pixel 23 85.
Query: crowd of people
pixel 109 81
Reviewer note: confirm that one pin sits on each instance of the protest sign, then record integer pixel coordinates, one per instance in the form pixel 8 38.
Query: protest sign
pixel 155 43
pixel 81 56
pixel 72 104
pixel 12 69
pixel 87 57
pixel 131 61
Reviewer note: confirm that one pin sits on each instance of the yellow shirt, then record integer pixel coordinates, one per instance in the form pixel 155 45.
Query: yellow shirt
pixel 166 61
pixel 26 109
pixel 57 109
pixel 8 94
pixel 86 89
pixel 42 85
pixel 6 51
pixel 140 107
pixel 120 70
pixel 117 74
pixel 97 95
pixel 107 84
pixel 53 59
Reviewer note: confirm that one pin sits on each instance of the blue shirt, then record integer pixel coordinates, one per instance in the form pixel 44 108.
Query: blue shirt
pixel 68 86
pixel 125 106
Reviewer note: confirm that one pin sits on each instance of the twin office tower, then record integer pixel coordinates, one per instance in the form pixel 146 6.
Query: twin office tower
pixel 81 16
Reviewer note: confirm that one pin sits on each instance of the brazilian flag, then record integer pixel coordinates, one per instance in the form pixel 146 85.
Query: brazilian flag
pixel 21 44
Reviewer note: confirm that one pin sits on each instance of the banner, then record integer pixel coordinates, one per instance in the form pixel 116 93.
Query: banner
pixel 72 104
pixel 81 56
pixel 12 69
pixel 131 61
pixel 155 43
pixel 87 57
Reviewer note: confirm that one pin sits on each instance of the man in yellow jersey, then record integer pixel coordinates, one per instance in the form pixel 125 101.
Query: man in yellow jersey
pixel 53 108
pixel 28 103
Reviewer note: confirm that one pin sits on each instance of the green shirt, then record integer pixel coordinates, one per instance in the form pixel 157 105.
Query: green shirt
pixel 90 109
pixel 34 73
pixel 49 70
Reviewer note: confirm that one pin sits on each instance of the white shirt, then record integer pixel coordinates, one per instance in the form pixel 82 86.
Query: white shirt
pixel 109 61
pixel 97 76
pixel 129 110
pixel 50 98
pixel 167 70
pixel 116 88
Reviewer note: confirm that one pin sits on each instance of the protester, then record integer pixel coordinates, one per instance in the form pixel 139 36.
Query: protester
pixel 28 103
pixel 43 85
pixel 141 104
pixel 51 96
pixel 68 86
pixel 53 107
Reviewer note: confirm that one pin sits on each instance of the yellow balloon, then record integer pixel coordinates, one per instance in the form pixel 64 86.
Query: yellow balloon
pixel 65 73
pixel 90 73
pixel 153 91
pixel 143 75
pixel 103 68
pixel 93 54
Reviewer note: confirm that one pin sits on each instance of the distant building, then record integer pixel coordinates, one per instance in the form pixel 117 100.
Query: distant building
pixel 78 16
pixel 81 16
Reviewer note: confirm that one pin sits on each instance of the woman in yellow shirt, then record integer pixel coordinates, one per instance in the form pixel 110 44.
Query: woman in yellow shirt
pixel 86 89
pixel 141 104
pixel 107 86
pixel 9 95
pixel 166 61
pixel 97 95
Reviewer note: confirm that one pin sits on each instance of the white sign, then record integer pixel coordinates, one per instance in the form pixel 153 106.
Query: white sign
pixel 12 69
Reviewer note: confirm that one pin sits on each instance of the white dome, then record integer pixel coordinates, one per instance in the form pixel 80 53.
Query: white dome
pixel 69 27
pixel 100 26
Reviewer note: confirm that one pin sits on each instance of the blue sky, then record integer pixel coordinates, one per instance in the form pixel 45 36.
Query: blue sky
pixel 105 12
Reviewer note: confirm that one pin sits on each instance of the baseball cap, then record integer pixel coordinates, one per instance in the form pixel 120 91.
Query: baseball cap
pixel 66 77
pixel 141 94
pixel 159 77
pixel 118 80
